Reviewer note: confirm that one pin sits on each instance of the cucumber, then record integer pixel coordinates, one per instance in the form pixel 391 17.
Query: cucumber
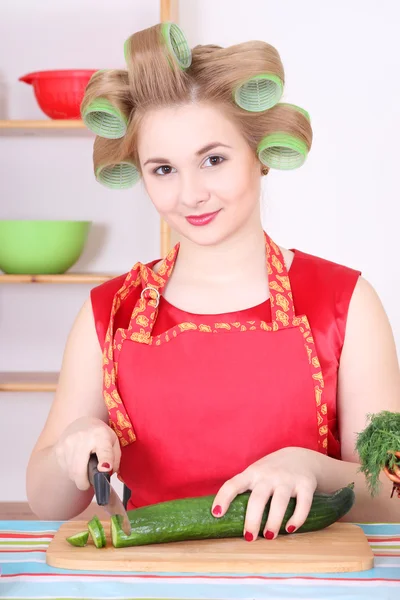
pixel 79 539
pixel 97 532
pixel 191 519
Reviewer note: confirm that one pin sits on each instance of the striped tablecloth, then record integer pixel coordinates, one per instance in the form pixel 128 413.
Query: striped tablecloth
pixel 24 574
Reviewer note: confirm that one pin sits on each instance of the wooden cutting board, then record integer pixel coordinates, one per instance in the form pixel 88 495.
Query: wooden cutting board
pixel 342 547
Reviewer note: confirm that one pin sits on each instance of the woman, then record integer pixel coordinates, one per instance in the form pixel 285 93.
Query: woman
pixel 233 364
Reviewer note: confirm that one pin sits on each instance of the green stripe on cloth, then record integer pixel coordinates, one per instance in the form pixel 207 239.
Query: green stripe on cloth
pixel 384 547
pixel 25 543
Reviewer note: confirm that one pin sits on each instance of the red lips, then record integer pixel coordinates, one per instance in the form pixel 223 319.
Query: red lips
pixel 204 219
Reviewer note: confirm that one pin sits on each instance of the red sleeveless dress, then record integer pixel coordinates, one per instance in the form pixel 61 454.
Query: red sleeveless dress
pixel 195 399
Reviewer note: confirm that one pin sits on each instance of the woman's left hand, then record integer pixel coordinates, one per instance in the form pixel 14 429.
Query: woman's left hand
pixel 284 474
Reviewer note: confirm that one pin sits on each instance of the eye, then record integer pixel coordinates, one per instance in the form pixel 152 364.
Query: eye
pixel 214 161
pixel 164 170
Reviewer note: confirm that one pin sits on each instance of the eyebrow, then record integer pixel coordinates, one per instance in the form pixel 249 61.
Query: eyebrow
pixel 203 150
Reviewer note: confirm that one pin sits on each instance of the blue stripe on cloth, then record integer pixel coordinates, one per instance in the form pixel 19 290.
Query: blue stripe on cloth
pixel 392 529
pixel 23 558
pixel 32 526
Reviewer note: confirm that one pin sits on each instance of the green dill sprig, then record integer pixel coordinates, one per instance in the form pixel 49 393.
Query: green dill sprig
pixel 376 446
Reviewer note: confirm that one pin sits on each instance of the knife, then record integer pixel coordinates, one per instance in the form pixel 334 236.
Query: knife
pixel 105 494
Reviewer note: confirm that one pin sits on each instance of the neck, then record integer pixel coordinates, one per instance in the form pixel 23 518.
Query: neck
pixel 242 254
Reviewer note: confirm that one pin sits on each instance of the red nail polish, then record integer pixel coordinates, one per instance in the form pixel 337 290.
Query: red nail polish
pixel 217 510
pixel 105 465
pixel 291 528
pixel 248 536
pixel 269 535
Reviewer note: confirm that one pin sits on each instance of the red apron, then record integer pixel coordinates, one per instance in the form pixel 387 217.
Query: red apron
pixel 201 403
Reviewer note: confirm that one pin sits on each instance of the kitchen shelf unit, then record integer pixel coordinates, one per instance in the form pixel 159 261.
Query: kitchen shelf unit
pixel 42 381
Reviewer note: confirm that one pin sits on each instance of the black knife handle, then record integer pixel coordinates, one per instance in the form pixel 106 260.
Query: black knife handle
pixel 99 481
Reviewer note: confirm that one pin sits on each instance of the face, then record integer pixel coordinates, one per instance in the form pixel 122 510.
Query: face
pixel 199 172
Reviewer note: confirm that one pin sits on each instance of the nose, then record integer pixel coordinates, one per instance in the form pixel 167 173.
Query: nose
pixel 192 191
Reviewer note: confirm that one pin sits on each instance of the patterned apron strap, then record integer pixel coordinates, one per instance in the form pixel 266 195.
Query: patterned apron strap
pixel 143 315
pixel 283 315
pixel 282 307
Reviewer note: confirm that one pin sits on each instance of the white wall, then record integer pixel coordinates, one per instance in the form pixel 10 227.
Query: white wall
pixel 341 60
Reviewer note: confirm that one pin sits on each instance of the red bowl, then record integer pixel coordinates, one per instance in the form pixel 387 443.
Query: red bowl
pixel 59 93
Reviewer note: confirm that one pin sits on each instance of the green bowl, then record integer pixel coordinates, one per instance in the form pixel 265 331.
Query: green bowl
pixel 41 247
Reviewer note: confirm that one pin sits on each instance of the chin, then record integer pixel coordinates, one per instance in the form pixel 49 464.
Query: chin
pixel 205 235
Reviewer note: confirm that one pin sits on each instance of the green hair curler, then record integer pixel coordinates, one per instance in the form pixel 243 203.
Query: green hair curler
pixel 177 44
pixel 259 93
pixel 282 151
pixel 104 119
pixel 118 177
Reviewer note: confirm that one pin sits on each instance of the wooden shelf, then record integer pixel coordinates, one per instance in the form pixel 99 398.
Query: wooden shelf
pixel 65 278
pixel 46 127
pixel 42 124
pixel 28 382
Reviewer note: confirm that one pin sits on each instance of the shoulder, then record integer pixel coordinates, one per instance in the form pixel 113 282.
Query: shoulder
pixel 101 298
pixel 107 290
pixel 368 324
pixel 331 281
pixel 315 266
pixel 366 305
pixel 323 290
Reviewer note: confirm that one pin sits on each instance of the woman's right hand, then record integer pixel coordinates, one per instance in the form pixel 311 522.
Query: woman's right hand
pixel 83 437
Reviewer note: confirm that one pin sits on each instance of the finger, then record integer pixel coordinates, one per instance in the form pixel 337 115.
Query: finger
pixel 101 445
pixel 105 454
pixel 229 491
pixel 116 455
pixel 279 503
pixel 255 509
pixel 304 500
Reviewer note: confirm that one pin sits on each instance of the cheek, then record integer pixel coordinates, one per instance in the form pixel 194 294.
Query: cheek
pixel 241 188
pixel 163 194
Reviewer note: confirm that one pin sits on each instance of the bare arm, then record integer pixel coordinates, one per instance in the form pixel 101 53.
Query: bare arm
pixel 369 382
pixel 51 493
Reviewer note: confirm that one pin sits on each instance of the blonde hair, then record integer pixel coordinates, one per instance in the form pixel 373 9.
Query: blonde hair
pixel 246 80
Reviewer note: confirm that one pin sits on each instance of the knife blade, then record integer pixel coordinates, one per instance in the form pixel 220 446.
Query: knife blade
pixel 106 496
